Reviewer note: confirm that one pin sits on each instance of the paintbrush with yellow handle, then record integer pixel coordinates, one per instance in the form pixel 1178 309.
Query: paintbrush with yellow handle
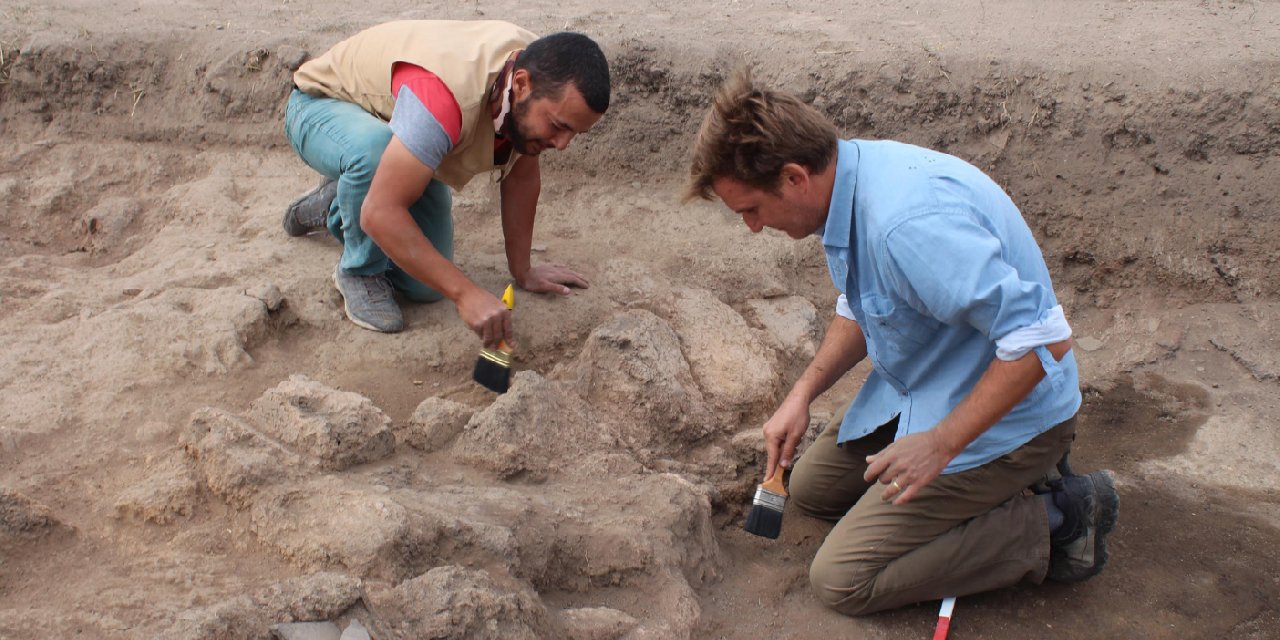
pixel 493 367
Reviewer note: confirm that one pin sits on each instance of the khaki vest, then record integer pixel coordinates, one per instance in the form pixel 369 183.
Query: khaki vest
pixel 467 56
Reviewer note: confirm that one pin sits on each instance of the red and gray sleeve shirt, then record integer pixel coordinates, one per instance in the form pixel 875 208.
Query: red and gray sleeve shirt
pixel 426 117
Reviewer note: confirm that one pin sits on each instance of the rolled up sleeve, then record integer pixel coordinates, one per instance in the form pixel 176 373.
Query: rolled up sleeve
pixel 842 308
pixel 1052 327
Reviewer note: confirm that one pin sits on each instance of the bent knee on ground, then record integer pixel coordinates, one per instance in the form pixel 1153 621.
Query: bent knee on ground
pixel 846 587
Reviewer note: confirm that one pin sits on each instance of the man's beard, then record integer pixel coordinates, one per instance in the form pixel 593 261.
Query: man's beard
pixel 518 139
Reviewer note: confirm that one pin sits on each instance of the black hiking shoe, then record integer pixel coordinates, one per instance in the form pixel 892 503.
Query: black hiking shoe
pixel 1090 507
pixel 311 210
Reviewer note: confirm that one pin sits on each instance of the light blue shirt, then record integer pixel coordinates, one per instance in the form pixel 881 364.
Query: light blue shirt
pixel 936 265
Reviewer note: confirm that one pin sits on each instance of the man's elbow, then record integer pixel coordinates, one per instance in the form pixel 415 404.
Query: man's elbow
pixel 372 220
pixel 1059 349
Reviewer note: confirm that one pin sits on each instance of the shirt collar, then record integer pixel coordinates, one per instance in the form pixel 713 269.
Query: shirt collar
pixel 840 213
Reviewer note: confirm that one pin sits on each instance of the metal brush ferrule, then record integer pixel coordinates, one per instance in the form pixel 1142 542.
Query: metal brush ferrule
pixel 497 356
pixel 766 498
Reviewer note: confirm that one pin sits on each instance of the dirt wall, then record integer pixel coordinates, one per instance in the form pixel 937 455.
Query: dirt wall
pixel 1126 182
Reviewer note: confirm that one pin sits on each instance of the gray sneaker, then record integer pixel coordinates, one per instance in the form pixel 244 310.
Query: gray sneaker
pixel 1090 507
pixel 311 210
pixel 368 301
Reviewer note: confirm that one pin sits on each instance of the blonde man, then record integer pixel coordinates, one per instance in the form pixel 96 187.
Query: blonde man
pixel 973 389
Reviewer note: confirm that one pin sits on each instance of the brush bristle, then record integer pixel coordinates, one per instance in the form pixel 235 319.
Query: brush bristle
pixel 764 521
pixel 765 518
pixel 492 375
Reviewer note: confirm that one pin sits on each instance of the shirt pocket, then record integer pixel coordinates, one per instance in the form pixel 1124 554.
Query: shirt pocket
pixel 896 327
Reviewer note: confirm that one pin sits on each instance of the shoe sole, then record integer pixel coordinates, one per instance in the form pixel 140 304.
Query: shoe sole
pixel 1108 512
pixel 1108 501
pixel 291 226
pixel 346 308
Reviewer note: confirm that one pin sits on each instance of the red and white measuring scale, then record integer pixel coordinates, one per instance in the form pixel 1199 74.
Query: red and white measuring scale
pixel 944 619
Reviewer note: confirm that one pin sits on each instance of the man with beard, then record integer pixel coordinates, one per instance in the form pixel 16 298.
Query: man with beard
pixel 399 113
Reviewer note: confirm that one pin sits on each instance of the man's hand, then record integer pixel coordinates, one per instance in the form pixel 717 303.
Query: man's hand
pixel 551 278
pixel 912 462
pixel 485 314
pixel 782 434
pixel 909 464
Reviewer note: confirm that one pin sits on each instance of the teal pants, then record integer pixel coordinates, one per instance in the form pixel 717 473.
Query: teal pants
pixel 344 142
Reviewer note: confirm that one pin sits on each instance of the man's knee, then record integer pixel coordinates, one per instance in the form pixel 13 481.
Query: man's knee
pixel 806 498
pixel 814 497
pixel 364 155
pixel 844 586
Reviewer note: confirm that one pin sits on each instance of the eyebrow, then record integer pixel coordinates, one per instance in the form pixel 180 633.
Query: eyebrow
pixel 566 125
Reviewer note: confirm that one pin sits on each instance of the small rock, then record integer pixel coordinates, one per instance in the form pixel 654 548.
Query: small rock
pixel 112 216
pixel 168 491
pixel 793 321
pixel 455 603
pixel 1089 343
pixel 269 294
pixel 747 442
pixel 596 623
pixel 337 429
pixel 435 423
pixel 22 518
pixel 235 460
pixel 319 596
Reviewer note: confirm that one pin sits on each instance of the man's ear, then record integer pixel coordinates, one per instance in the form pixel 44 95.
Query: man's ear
pixel 795 175
pixel 521 85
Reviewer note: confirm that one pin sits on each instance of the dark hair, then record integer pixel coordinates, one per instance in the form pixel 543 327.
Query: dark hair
pixel 567 57
pixel 751 131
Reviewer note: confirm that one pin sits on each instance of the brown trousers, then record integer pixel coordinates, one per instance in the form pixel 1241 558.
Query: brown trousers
pixel 964 533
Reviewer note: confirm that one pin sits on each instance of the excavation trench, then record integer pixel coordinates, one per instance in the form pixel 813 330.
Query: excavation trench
pixel 172 350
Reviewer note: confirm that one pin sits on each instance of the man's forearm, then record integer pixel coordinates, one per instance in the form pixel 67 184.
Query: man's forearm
pixel 1002 386
pixel 842 347
pixel 396 233
pixel 520 191
pixel 384 216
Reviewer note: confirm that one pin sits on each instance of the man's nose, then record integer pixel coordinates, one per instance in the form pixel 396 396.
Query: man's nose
pixel 561 140
pixel 753 223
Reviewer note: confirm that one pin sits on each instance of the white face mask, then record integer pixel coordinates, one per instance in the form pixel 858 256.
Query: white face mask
pixel 505 83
